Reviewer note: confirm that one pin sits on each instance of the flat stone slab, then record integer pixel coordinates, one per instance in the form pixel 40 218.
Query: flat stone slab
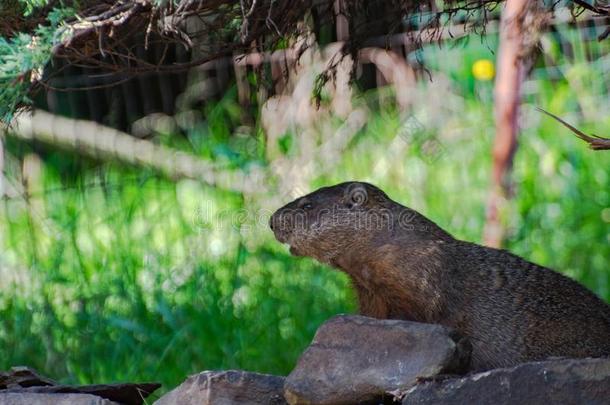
pixel 565 382
pixel 227 388
pixel 22 376
pixel 20 398
pixel 355 359
pixel 24 380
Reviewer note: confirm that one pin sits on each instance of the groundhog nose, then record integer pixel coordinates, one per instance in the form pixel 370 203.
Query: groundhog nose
pixel 274 221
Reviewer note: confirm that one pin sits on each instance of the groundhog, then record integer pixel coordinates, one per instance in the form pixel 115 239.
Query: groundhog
pixel 404 266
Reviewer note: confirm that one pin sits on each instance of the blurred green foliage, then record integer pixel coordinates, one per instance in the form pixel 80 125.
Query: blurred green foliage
pixel 24 56
pixel 111 273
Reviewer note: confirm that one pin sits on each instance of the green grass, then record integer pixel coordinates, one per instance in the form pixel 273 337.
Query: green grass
pixel 110 273
pixel 129 280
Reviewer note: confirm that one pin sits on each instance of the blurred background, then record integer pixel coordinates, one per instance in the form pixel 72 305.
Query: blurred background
pixel 133 216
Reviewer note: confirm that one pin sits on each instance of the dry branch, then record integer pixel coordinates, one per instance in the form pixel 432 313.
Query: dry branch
pixel 223 28
pixel 98 141
pixel 595 142
pixel 103 35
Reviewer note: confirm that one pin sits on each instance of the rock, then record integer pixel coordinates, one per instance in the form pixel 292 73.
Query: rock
pixel 124 393
pixel 569 381
pixel 21 376
pixel 24 380
pixel 21 398
pixel 355 359
pixel 227 388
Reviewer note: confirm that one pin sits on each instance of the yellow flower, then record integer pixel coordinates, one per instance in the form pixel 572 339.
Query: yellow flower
pixel 483 69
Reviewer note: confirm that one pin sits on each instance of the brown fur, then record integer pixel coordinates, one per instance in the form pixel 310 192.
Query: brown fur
pixel 404 266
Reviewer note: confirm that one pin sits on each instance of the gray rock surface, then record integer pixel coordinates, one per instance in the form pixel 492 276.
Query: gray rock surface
pixel 227 388
pixel 20 398
pixel 569 381
pixel 356 359
pixel 22 376
pixel 24 380
pixel 124 393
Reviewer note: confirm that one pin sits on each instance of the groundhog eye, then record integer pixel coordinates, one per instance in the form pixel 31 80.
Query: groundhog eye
pixel 307 206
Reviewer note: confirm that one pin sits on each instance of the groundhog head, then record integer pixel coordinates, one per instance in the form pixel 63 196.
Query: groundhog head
pixel 332 220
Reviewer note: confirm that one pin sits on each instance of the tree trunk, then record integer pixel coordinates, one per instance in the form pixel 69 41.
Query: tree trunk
pixel 510 76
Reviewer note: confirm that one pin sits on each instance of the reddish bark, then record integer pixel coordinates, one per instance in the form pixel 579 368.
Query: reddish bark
pixel 509 78
pixel 341 21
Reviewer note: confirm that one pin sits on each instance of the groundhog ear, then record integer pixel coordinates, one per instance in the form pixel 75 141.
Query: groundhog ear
pixel 356 197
